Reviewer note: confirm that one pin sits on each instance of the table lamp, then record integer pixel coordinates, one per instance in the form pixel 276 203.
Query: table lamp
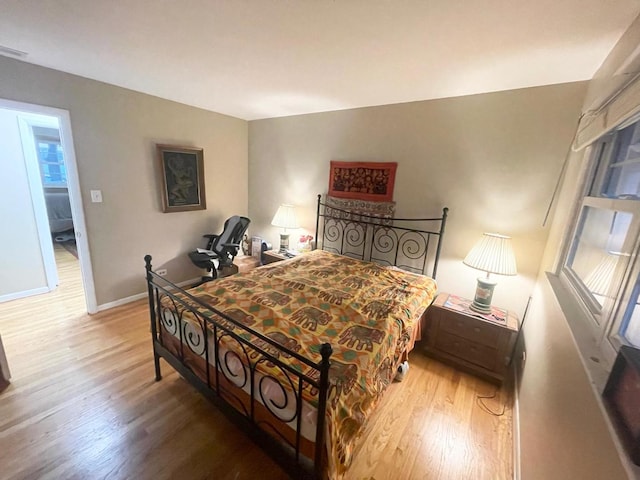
pixel 492 254
pixel 285 218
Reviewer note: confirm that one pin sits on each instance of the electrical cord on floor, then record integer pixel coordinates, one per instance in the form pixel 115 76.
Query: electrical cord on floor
pixel 483 406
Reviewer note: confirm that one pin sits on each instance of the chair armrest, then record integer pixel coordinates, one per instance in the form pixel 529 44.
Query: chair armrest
pixel 211 238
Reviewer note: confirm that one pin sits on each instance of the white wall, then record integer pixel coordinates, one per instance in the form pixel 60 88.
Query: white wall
pixel 21 264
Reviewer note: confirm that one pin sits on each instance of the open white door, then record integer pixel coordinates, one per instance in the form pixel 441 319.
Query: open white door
pixel 26 122
pixel 36 115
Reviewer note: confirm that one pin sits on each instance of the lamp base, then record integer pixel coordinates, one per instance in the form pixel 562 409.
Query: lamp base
pixel 484 294
pixel 284 242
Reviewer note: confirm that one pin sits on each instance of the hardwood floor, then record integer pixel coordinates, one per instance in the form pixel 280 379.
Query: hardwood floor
pixel 83 404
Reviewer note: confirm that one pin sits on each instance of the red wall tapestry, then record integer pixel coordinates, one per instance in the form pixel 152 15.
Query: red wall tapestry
pixel 362 180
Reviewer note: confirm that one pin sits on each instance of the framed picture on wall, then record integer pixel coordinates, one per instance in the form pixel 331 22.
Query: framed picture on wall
pixel 182 178
pixel 370 181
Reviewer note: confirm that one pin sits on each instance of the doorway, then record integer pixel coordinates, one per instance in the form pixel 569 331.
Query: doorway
pixel 38 143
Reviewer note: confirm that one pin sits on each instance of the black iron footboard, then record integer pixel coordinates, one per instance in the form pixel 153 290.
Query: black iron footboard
pixel 188 332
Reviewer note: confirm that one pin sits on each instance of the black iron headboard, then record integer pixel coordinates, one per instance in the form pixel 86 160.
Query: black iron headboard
pixel 409 243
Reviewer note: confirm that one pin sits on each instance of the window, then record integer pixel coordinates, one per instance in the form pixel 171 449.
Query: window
pixel 50 157
pixel 601 262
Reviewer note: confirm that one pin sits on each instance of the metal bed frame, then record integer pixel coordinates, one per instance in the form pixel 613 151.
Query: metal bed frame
pixel 241 396
pixel 381 239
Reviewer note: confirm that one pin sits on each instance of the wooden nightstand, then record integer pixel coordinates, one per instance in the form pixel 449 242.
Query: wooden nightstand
pixel 480 344
pixel 271 256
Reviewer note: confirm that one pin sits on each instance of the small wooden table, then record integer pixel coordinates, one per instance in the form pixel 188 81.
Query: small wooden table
pixel 478 343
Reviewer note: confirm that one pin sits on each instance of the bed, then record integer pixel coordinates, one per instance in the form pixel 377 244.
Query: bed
pixel 58 210
pixel 301 351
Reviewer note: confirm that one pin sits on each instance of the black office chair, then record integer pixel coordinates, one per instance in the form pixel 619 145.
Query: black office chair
pixel 221 249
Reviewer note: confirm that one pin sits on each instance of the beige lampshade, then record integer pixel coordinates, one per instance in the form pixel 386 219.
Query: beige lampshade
pixel 285 217
pixel 493 254
pixel 600 278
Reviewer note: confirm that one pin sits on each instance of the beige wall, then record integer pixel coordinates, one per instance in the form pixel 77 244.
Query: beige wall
pixel 564 433
pixel 115 131
pixel 493 159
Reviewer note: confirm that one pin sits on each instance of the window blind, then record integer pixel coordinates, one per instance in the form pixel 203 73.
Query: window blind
pixel 614 92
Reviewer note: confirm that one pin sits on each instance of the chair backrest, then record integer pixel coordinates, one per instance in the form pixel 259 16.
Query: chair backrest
pixel 232 233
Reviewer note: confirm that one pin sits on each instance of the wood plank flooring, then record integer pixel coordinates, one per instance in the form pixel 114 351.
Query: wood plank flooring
pixel 83 405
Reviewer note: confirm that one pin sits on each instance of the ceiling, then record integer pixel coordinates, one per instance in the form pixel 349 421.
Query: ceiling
pixel 257 59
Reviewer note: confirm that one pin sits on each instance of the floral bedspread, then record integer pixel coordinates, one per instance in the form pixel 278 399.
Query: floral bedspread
pixel 367 313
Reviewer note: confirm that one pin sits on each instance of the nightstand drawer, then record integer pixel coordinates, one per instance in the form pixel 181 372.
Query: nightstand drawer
pixel 471 329
pixel 467 350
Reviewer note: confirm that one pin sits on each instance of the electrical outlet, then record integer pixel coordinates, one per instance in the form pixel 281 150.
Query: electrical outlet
pixel 161 271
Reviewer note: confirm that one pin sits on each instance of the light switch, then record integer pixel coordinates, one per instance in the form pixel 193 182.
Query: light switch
pixel 96 196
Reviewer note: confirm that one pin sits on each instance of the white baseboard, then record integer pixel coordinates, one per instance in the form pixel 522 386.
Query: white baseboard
pixel 26 293
pixel 517 473
pixel 122 301
pixel 138 296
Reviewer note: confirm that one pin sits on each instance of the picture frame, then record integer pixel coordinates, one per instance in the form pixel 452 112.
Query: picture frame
pixel 182 178
pixel 370 181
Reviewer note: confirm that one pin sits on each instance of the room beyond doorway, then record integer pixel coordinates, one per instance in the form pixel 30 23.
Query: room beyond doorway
pixel 45 202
